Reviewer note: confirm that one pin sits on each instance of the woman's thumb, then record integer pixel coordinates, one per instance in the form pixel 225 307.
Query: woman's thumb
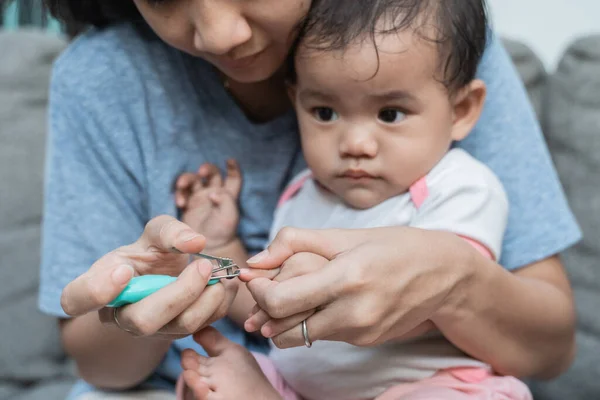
pixel 290 241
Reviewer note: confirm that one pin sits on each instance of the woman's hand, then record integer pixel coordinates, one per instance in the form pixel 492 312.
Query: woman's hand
pixel 380 284
pixel 297 265
pixel 175 311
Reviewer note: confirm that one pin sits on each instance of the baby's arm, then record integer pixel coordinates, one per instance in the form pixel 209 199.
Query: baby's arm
pixel 510 319
pixel 209 205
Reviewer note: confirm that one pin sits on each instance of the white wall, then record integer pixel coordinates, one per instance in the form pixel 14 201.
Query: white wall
pixel 548 26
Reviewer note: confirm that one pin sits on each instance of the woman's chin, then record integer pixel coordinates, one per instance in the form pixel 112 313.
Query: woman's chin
pixel 248 75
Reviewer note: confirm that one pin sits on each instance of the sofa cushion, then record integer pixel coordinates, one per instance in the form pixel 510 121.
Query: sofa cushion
pixel 532 71
pixel 572 115
pixel 30 350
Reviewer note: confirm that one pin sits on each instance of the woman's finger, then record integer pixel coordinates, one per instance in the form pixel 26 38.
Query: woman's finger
pixel 146 317
pixel 233 179
pixel 275 327
pixel 211 306
pixel 94 290
pixel 320 326
pixel 210 175
pixel 289 241
pixel 300 294
pixel 300 264
pixel 167 234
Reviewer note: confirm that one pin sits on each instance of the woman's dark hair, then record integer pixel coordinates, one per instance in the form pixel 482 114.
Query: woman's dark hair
pixel 457 27
pixel 99 13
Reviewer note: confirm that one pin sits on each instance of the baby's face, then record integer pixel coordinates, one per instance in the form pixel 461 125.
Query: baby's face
pixel 369 130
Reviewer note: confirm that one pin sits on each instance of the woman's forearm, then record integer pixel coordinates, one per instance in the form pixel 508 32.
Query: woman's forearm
pixel 521 323
pixel 107 357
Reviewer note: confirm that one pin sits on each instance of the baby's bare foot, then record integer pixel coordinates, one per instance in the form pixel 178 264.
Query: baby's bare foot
pixel 230 372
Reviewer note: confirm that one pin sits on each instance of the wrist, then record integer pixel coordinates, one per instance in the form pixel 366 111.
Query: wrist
pixel 468 282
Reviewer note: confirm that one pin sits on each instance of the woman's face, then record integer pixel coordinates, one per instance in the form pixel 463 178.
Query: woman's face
pixel 248 40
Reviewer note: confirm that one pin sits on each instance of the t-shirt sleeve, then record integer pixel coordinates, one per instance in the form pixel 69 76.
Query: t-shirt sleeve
pixel 94 199
pixel 508 139
pixel 468 201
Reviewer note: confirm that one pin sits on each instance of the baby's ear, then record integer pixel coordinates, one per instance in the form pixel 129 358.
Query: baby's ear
pixel 468 105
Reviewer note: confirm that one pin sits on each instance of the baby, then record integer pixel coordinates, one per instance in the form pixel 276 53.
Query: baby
pixel 382 89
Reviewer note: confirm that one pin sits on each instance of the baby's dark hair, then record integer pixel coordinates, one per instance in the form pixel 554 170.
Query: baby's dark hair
pixel 457 27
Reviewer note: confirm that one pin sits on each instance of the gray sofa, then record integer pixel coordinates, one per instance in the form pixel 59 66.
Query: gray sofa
pixel 32 364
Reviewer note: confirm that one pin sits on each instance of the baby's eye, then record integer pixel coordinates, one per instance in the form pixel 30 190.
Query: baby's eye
pixel 325 114
pixel 391 115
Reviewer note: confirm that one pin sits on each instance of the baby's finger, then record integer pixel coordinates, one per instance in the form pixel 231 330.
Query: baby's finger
pixel 210 175
pixel 233 179
pixel 184 184
pixel 216 197
pixel 255 322
pixel 248 274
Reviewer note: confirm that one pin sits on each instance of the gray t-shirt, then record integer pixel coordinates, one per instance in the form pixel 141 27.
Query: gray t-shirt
pixel 128 114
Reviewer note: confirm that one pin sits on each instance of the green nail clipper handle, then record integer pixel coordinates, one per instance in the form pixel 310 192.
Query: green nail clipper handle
pixel 143 286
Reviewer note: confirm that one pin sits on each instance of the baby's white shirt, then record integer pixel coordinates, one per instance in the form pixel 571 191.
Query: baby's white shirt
pixel 459 195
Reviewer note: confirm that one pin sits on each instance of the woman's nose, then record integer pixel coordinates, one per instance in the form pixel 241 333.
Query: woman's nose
pixel 220 28
pixel 359 144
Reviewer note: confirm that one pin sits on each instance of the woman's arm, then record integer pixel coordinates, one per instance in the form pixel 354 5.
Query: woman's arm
pixel 95 203
pixel 374 291
pixel 108 357
pixel 521 323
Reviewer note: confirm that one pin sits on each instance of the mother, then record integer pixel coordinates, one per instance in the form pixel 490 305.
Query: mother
pixel 164 86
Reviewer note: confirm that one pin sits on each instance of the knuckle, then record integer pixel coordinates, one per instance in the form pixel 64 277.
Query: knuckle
pixel 190 322
pixel 273 306
pixel 188 293
pixel 65 302
pixel 159 220
pixel 141 325
pixel 287 234
pixel 363 318
pixel 281 342
pixel 365 340
pixel 166 229
pixel 95 293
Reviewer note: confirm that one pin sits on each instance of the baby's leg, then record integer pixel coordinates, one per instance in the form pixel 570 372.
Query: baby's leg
pixel 461 384
pixel 231 372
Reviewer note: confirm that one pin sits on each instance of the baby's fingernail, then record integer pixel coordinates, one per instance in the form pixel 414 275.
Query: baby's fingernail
pixel 249 327
pixel 244 271
pixel 259 257
pixel 122 274
pixel 267 331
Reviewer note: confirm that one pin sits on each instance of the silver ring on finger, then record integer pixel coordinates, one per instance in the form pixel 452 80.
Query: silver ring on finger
pixel 116 318
pixel 307 341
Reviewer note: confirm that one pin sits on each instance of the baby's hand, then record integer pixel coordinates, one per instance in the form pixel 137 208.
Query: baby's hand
pixel 209 203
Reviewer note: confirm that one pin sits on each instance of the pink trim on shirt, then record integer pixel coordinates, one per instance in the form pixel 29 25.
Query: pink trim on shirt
pixel 419 192
pixel 480 248
pixel 292 189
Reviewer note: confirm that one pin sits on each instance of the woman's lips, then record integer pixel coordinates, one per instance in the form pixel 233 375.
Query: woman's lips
pixel 239 63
